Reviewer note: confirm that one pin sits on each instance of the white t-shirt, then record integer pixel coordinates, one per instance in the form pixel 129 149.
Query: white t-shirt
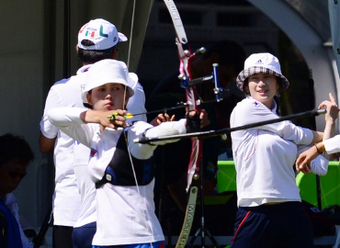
pixel 332 145
pixel 264 156
pixel 86 186
pixel 125 214
pixel 66 198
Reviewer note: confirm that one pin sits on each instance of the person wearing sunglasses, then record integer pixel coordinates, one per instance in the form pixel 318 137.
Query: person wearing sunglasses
pixel 15 155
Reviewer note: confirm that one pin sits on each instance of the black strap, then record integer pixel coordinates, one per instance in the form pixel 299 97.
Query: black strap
pixel 119 171
pixel 109 177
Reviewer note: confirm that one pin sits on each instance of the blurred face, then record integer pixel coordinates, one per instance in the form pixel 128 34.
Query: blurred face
pixel 11 174
pixel 263 87
pixel 109 96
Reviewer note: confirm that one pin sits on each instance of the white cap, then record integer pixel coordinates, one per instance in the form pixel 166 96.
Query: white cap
pixel 102 33
pixel 109 71
pixel 261 63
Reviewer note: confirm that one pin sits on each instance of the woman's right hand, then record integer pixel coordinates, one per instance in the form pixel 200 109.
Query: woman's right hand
pixel 112 119
pixel 331 107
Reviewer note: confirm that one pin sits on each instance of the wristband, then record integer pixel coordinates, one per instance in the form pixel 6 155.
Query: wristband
pixel 317 149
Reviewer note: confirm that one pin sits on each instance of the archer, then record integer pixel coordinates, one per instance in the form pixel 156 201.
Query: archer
pixel 124 179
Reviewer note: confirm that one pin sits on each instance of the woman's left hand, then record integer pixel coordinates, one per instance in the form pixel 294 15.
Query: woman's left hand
pixel 331 107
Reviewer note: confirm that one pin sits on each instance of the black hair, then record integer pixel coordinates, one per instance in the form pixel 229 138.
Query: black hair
pixel 87 105
pixel 231 53
pixel 93 56
pixel 14 147
pixel 244 87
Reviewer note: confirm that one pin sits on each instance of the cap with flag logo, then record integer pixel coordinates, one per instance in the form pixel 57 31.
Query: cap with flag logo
pixel 102 33
pixel 261 63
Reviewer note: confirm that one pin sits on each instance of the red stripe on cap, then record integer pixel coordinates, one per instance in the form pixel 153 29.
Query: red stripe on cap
pixel 82 29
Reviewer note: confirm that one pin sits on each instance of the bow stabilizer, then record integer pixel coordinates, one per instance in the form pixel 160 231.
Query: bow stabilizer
pixel 212 133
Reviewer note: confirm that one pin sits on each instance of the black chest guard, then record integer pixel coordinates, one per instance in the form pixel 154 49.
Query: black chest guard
pixel 119 170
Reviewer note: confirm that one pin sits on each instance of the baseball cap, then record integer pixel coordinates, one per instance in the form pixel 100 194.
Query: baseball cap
pixel 261 63
pixel 109 71
pixel 102 33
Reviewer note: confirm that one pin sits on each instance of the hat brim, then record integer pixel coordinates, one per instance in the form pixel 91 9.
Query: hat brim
pixel 131 81
pixel 243 75
pixel 122 37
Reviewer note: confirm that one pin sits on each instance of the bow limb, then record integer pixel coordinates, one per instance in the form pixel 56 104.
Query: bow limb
pixel 177 21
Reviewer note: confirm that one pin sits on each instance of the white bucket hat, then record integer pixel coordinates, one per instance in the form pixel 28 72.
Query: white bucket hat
pixel 261 63
pixel 109 71
pixel 102 33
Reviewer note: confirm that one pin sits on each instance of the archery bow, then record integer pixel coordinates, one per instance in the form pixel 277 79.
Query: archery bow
pixel 185 57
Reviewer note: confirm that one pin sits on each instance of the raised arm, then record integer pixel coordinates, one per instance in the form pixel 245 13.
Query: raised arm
pixel 330 117
pixel 305 158
pixel 72 121
pixel 111 119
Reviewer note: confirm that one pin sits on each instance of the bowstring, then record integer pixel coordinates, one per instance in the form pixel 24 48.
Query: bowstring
pixel 125 133
pixel 131 32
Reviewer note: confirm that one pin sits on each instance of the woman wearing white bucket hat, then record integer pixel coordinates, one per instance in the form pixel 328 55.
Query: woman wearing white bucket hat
pixel 270 212
pixel 124 184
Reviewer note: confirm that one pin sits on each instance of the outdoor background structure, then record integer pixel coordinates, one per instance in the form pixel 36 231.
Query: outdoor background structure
pixel 37 48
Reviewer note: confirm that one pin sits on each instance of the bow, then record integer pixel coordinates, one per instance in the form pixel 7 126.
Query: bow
pixel 186 56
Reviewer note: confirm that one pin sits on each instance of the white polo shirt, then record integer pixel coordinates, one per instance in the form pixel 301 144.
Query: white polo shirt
pixel 264 156
pixel 66 198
